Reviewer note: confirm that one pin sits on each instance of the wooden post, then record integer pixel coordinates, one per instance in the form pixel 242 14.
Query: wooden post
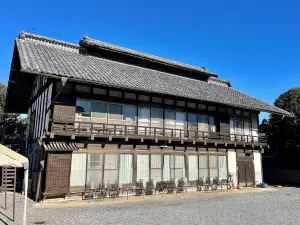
pixel 14 196
pixel 5 190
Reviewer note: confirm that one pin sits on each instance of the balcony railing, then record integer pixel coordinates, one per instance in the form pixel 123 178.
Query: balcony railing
pixel 80 128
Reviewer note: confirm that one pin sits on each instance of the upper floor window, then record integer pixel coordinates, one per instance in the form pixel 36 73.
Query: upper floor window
pixel 239 126
pixel 192 121
pixel 156 117
pixel 98 111
pixel 207 123
pixel 116 113
pixel 83 108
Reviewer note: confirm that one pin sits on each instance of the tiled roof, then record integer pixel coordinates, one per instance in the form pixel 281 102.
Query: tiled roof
pixel 214 80
pixel 60 146
pixel 52 57
pixel 88 42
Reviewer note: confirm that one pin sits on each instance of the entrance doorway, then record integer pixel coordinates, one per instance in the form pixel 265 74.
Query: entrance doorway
pixel 245 170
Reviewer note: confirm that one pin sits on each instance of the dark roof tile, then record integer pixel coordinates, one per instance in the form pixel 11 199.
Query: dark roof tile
pixel 88 42
pixel 63 59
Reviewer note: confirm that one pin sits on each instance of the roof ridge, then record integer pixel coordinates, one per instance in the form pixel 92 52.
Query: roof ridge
pixel 220 80
pixel 85 41
pixel 24 35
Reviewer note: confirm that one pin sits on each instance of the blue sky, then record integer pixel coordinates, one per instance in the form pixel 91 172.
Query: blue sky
pixel 254 44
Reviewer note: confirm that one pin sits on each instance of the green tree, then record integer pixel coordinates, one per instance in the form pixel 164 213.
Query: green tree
pixel 284 132
pixel 10 122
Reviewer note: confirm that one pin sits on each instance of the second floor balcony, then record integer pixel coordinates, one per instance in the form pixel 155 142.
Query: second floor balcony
pixel 129 131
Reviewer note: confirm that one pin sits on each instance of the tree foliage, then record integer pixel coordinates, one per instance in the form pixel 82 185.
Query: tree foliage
pixel 284 132
pixel 10 122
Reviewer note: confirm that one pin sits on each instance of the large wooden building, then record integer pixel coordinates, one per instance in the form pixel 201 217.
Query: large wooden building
pixel 99 112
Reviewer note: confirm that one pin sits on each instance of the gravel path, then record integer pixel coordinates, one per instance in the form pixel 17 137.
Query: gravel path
pixel 265 208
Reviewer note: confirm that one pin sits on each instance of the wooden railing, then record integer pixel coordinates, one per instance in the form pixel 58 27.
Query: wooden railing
pixel 124 130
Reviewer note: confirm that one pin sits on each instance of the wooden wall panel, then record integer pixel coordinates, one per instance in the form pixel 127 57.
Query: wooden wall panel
pixel 64 113
pixel 58 173
pixel 224 123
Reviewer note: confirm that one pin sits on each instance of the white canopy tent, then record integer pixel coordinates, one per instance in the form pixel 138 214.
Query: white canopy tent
pixel 11 158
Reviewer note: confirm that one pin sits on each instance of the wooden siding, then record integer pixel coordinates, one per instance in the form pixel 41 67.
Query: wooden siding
pixel 39 107
pixel 224 121
pixel 58 173
pixel 63 113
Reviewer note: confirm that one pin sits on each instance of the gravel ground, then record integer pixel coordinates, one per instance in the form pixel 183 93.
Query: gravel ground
pixel 265 208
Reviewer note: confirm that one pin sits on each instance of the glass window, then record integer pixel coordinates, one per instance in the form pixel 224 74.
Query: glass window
pixel 94 161
pixel 156 170
pixel 180 124
pixel 247 128
pixel 115 112
pixel 156 117
pixel 192 121
pixel 144 121
pixel 177 166
pixel 167 168
pixel 111 168
pixel 78 170
pixel 99 109
pixel 83 108
pixel 212 124
pixel 157 121
pixel 170 119
pixel 213 166
pixel 203 123
pixel 232 126
pixel 144 116
pixel 180 120
pixel 203 167
pixel 125 172
pixel 193 167
pixel 129 112
pixel 94 170
pixel 222 167
pixel 142 166
pixel 239 126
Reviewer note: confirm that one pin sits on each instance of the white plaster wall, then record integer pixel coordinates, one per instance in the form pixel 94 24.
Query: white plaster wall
pixel 257 167
pixel 232 165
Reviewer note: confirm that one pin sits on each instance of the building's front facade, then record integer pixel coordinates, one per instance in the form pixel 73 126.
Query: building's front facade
pixel 102 113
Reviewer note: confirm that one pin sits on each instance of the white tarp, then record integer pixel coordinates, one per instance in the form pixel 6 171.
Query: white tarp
pixel 9 157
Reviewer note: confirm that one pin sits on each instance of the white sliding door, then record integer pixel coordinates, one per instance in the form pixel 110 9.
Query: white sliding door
pixel 193 167
pixel 125 172
pixel 94 169
pixel 167 168
pixel 78 170
pixel 156 167
pixel 111 168
pixel 177 166
pixel 144 121
pixel 222 167
pixel 203 166
pixel 142 167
